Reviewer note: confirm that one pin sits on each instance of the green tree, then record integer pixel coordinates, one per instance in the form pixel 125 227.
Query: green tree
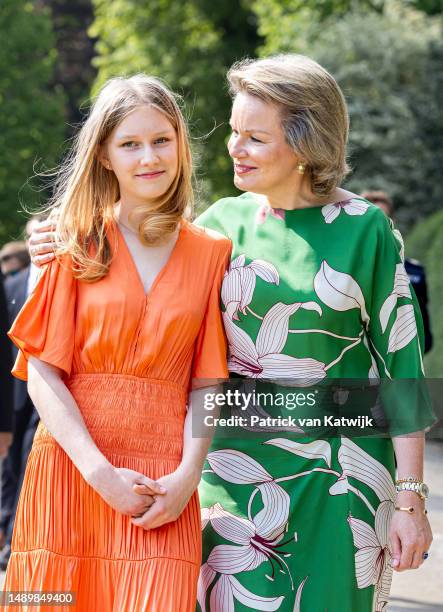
pixel 425 242
pixel 190 45
pixel 75 49
pixel 31 109
pixel 431 7
pixel 389 65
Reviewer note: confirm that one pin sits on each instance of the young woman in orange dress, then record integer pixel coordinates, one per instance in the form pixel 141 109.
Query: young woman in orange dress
pixel 118 327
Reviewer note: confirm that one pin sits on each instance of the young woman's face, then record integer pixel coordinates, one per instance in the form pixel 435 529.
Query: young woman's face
pixel 263 161
pixel 142 151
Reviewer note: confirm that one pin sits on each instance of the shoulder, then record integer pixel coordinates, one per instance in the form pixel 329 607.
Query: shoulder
pixel 57 275
pixel 223 212
pixel 207 238
pixel 374 217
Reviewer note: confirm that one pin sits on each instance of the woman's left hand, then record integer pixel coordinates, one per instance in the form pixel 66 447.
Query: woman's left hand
pixel 410 534
pixel 180 486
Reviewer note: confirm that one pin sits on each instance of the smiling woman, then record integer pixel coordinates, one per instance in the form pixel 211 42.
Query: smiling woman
pixel 143 154
pixel 110 340
pixel 134 145
pixel 316 290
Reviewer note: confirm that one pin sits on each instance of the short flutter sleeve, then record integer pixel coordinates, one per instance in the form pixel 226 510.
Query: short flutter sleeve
pixel 210 351
pixel 45 326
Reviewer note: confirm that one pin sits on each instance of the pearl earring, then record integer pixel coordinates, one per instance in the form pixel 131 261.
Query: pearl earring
pixel 301 167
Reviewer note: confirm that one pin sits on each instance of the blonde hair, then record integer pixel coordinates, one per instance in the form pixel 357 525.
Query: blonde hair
pixel 86 191
pixel 315 118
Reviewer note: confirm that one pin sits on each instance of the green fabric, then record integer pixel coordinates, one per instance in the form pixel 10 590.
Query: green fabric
pixel 296 523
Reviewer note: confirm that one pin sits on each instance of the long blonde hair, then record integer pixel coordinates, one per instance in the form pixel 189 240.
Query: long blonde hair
pixel 86 192
pixel 314 114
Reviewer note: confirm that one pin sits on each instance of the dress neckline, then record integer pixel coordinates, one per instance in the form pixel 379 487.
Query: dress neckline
pixel 316 207
pixel 163 271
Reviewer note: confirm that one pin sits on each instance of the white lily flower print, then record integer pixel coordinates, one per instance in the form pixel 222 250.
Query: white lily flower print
pixel 373 374
pixel 404 328
pixel 358 464
pixel 399 238
pixel 237 467
pixel 401 289
pixel 339 291
pixel 353 207
pixel 255 540
pixel 264 359
pixel 228 589
pixel 317 449
pixel 372 559
pixel 239 283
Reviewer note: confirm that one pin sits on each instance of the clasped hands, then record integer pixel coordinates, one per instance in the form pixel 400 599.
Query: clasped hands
pixel 149 503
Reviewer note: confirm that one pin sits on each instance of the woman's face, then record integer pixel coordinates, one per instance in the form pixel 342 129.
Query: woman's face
pixel 142 151
pixel 263 161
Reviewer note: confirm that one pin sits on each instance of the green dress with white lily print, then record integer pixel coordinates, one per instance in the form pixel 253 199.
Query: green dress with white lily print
pixel 301 524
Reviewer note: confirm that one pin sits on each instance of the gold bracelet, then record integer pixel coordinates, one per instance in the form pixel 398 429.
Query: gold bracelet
pixel 409 509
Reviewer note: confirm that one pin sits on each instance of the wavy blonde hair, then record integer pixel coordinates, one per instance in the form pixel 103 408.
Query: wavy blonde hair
pixel 314 114
pixel 86 192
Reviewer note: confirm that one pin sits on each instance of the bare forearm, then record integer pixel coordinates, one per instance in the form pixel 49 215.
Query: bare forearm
pixel 409 452
pixel 195 449
pixel 62 417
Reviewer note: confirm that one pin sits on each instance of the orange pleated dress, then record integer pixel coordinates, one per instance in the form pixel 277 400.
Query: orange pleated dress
pixel 128 359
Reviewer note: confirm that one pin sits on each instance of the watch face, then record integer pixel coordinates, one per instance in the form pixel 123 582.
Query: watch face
pixel 424 489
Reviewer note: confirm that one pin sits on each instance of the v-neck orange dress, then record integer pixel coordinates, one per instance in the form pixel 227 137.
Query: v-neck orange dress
pixel 128 359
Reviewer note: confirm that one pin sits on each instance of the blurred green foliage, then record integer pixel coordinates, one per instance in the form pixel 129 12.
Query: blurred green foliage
pixel 431 7
pixel 75 50
pixel 386 54
pixel 31 115
pixel 425 242
pixel 390 67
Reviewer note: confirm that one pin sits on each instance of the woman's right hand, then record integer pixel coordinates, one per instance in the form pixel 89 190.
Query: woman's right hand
pixel 115 486
pixel 41 241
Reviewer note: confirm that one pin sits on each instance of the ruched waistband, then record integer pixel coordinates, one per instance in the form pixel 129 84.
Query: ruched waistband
pixel 126 384
pixel 129 415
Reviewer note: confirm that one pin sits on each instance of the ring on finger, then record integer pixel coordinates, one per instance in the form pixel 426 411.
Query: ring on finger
pixel 425 555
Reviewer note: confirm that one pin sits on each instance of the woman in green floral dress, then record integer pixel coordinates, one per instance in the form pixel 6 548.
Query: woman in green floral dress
pixel 316 289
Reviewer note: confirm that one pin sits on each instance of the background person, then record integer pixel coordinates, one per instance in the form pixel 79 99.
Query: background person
pixel 6 409
pixel 14 256
pixel 25 418
pixel 5 382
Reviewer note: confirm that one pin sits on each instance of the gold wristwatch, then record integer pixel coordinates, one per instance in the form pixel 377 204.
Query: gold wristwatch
pixel 412 484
